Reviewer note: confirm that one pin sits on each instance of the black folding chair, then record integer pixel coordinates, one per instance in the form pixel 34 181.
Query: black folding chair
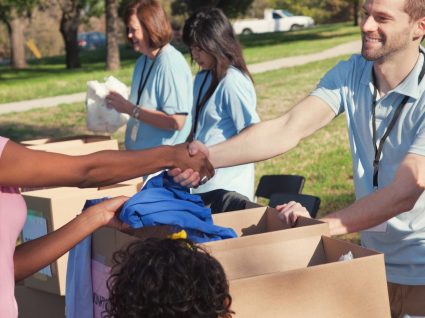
pixel 279 183
pixel 310 202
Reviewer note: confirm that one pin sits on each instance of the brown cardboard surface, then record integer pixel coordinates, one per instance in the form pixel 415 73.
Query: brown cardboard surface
pixel 55 207
pixel 321 287
pixel 79 138
pixel 33 303
pixel 77 147
pixel 74 145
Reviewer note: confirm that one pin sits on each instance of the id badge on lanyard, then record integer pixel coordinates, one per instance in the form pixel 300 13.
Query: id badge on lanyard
pixel 134 130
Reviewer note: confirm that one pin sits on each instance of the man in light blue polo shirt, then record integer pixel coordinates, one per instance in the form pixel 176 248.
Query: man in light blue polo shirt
pixel 382 93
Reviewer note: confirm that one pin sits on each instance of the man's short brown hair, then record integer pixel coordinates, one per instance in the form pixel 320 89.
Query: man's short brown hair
pixel 415 9
pixel 153 18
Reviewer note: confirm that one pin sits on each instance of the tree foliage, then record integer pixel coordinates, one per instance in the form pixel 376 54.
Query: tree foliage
pixel 323 11
pixel 232 8
pixel 15 14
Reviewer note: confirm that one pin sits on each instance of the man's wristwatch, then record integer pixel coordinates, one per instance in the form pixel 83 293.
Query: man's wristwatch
pixel 136 112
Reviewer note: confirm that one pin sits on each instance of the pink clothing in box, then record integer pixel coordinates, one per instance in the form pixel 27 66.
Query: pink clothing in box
pixel 12 218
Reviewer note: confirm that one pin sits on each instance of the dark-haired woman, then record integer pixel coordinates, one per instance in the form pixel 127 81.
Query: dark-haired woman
pixel 224 97
pixel 161 92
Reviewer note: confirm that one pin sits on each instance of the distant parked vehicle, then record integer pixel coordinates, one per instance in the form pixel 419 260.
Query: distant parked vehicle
pixel 91 40
pixel 274 21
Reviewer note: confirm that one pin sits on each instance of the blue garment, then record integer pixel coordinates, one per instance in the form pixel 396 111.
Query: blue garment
pixel 229 110
pixel 79 291
pixel 164 202
pixel 168 89
pixel 348 88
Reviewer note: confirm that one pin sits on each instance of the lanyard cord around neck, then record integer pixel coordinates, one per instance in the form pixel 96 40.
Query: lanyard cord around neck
pixel 143 81
pixel 378 149
pixel 199 105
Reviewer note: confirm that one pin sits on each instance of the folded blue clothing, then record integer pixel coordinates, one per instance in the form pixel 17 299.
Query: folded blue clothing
pixel 164 202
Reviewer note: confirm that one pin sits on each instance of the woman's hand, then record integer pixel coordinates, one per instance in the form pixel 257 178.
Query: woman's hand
pixel 119 103
pixel 289 212
pixel 106 212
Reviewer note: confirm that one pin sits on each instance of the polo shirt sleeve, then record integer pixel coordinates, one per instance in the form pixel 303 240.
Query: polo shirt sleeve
pixel 331 85
pixel 174 87
pixel 240 100
pixel 418 146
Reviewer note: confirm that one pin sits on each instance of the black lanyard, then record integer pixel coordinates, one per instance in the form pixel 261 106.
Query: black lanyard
pixel 143 81
pixel 198 105
pixel 378 150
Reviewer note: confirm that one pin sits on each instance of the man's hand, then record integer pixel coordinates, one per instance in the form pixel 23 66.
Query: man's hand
pixel 289 212
pixel 192 164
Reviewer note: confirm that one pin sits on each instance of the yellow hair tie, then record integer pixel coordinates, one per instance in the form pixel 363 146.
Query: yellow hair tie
pixel 178 235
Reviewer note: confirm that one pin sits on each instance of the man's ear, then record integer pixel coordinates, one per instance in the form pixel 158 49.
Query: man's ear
pixel 420 29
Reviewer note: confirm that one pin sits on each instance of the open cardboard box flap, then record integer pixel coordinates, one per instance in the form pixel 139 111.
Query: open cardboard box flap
pixel 78 139
pixel 253 226
pixel 303 278
pixel 48 210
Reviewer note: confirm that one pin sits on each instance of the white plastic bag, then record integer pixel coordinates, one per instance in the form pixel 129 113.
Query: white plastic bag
pixel 100 118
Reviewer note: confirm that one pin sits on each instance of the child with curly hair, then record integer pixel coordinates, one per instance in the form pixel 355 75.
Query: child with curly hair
pixel 166 278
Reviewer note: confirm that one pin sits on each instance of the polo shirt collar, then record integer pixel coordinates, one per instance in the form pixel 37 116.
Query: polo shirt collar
pixel 409 87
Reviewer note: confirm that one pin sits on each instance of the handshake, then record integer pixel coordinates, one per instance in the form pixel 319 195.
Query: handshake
pixel 192 164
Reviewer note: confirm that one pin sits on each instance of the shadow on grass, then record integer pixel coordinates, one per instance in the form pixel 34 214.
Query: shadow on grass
pixel 19 132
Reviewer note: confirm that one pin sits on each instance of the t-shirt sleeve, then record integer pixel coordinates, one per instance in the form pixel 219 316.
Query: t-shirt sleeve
pixel 3 142
pixel 240 100
pixel 174 88
pixel 330 86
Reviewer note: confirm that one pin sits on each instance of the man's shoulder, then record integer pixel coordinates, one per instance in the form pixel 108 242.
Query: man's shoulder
pixel 356 61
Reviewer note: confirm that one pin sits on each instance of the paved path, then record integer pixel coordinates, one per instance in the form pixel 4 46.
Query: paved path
pixel 343 49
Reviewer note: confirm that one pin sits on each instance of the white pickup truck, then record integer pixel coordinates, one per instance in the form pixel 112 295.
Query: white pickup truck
pixel 274 21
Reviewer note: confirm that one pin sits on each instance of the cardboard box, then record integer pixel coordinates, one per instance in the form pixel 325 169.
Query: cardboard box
pixel 303 278
pixel 36 303
pixel 283 277
pixel 254 226
pixel 274 270
pixel 75 146
pixel 78 138
pixel 50 209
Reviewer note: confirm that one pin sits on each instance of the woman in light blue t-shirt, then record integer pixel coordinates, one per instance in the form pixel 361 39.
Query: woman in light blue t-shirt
pixel 224 102
pixel 161 92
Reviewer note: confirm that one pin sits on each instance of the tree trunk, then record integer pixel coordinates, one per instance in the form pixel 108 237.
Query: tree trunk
pixel 356 9
pixel 71 11
pixel 15 28
pixel 112 47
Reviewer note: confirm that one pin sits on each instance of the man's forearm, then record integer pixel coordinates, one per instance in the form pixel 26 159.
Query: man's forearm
pixel 374 209
pixel 273 137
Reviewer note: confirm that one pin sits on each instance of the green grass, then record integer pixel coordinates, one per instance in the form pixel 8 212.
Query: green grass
pixel 323 158
pixel 49 77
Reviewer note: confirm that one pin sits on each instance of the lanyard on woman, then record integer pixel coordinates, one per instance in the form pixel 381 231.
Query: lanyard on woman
pixel 199 105
pixel 378 149
pixel 143 81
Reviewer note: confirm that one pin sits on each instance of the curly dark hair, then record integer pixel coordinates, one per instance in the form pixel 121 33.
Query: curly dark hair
pixel 165 278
